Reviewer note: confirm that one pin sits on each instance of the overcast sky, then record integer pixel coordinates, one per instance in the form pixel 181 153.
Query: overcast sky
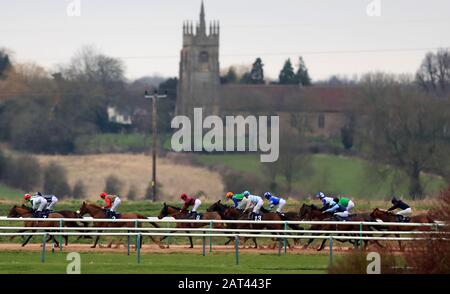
pixel 334 37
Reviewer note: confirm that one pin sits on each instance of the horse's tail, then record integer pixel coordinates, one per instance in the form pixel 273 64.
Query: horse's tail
pixel 140 216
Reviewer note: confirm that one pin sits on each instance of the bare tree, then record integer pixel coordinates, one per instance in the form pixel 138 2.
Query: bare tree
pixel 433 75
pixel 405 128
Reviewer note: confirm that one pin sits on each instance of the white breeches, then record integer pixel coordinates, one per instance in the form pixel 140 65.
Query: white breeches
pixel 342 214
pixel 350 205
pixel 405 212
pixel 53 203
pixel 42 204
pixel 258 206
pixel 197 204
pixel 115 204
pixel 280 205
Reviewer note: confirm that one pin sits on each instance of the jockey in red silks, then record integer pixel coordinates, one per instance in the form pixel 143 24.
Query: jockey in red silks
pixel 190 201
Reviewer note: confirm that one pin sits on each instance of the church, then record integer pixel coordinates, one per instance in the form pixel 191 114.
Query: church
pixel 321 111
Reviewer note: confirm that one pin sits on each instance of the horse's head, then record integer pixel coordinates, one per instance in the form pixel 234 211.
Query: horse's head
pixel 164 212
pixel 213 207
pixel 13 212
pixel 377 213
pixel 305 211
pixel 218 207
pixel 83 209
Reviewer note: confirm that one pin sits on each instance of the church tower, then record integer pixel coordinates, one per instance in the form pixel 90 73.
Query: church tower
pixel 199 80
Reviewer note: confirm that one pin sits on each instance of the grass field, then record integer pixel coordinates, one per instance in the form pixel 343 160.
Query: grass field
pixel 331 173
pixel 136 169
pixel 9 193
pixel 115 263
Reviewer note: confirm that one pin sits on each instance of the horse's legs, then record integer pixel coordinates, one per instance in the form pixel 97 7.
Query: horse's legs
pixel 96 241
pixel 322 245
pixel 399 242
pixel 190 241
pixel 309 243
pixel 27 240
pixel 12 237
pixel 230 239
pixel 54 240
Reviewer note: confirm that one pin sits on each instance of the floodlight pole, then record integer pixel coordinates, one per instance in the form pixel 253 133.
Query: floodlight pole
pixel 154 97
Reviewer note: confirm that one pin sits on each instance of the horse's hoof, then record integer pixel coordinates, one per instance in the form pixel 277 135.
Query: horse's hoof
pixel 94 246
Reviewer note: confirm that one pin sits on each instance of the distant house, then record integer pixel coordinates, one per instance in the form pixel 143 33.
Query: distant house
pixel 119 116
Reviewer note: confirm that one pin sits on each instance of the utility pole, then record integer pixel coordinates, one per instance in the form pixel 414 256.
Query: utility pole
pixel 154 98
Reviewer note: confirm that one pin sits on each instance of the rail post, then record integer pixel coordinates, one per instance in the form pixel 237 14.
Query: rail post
pixel 60 236
pixel 330 263
pixel 279 247
pixel 138 245
pixel 210 237
pixel 236 246
pixel 128 244
pixel 44 239
pixel 361 235
pixel 53 246
pixel 136 226
pixel 285 240
pixel 204 246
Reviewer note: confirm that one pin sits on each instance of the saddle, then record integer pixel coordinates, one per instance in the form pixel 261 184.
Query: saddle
pixel 403 219
pixel 282 215
pixel 340 218
pixel 112 214
pixel 195 215
pixel 255 216
pixel 41 214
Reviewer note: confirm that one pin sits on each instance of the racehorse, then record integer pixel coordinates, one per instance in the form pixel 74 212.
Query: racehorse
pixel 388 216
pixel 96 211
pixel 26 212
pixel 176 213
pixel 235 214
pixel 227 212
pixel 313 213
pixel 74 224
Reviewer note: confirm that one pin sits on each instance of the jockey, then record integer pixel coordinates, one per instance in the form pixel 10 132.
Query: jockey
pixel 112 203
pixel 256 201
pixel 51 202
pixel 189 201
pixel 38 204
pixel 275 201
pixel 235 197
pixel 327 202
pixel 405 208
pixel 341 209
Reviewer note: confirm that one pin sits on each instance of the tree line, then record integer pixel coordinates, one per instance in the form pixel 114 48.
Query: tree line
pixel 255 76
pixel 46 112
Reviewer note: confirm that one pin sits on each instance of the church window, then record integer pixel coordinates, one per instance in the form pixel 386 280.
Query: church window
pixel 321 121
pixel 204 57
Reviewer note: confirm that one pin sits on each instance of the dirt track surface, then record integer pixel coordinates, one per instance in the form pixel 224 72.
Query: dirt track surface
pixel 171 249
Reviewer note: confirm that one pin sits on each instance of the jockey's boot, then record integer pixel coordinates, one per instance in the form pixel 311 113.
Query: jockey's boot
pixel 251 215
pixel 281 214
pixel 400 218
